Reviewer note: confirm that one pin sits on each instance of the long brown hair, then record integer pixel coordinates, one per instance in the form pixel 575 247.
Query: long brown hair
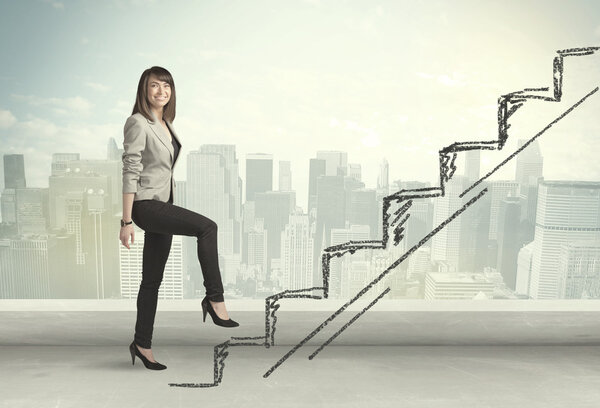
pixel 141 102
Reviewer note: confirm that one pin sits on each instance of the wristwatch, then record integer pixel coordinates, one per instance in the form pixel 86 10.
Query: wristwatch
pixel 123 223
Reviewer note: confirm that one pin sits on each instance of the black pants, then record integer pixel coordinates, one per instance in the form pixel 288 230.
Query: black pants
pixel 160 221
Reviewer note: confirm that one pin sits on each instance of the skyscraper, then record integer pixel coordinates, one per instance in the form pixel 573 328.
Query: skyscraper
pixel 567 211
pixel 259 174
pixel 529 162
pixel 14 171
pixel 509 240
pixel 297 252
pixel 274 207
pixel 331 213
pixel 383 179
pixel 472 165
pixel 316 169
pixel 336 162
pixel 285 175
pixel 579 270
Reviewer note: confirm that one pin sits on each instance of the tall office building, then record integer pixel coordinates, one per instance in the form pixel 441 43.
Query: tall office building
pixel 232 189
pixel 509 240
pixel 383 179
pixel 180 194
pixel 207 193
pixel 472 165
pixel 419 264
pixel 362 209
pixel 296 252
pixel 80 176
pixel 524 261
pixel 579 270
pixel 8 205
pixel 498 191
pixel 257 249
pixel 567 211
pixel 336 162
pixel 60 163
pixel 352 269
pixel 331 213
pixel 274 207
pixel 24 267
pixel 530 163
pixel 445 243
pixel 14 171
pixel 316 169
pixel 172 285
pixel 285 175
pixel 31 206
pixel 355 171
pixel 112 150
pixel 259 174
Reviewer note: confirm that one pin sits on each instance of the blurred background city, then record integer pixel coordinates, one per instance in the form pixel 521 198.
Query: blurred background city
pixel 296 120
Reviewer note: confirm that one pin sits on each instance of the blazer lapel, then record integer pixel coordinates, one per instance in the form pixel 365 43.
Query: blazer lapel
pixel 170 125
pixel 160 133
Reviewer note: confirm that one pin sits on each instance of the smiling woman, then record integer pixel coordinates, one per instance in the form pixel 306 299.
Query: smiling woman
pixel 151 148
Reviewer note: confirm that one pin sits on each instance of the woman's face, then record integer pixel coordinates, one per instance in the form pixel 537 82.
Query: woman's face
pixel 159 92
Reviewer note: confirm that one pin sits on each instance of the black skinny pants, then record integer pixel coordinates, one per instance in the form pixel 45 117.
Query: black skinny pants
pixel 160 221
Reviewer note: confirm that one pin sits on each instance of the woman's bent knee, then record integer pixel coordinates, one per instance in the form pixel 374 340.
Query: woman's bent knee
pixel 208 228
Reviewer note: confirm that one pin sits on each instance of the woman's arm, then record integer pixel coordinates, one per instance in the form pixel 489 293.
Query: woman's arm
pixel 127 231
pixel 134 144
pixel 127 206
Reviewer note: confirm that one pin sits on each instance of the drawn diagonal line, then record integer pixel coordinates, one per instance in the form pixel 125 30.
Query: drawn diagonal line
pixel 381 275
pixel 548 126
pixel 344 327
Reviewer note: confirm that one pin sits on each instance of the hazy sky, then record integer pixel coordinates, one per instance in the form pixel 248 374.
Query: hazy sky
pixel 394 79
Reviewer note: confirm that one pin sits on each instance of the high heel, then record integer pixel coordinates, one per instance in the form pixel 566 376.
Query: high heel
pixel 149 364
pixel 207 307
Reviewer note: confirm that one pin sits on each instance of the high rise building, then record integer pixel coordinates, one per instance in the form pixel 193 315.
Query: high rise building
pixel 567 211
pixel 171 287
pixel 24 267
pixel 31 207
pixel 297 252
pixel 112 150
pixel 530 163
pixel 232 188
pixel 524 261
pixel 331 213
pixel 60 163
pixel 498 190
pixel 383 179
pixel 472 165
pixel 207 193
pixel 285 175
pixel 579 270
pixel 14 171
pixel 352 270
pixel 509 240
pixel 362 209
pixel 355 171
pixel 336 162
pixel 445 243
pixel 274 207
pixel 259 174
pixel 316 169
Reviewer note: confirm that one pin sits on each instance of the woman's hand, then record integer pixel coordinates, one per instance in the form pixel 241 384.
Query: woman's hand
pixel 125 233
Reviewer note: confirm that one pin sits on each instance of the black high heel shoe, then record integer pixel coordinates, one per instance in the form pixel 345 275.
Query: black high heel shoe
pixel 206 306
pixel 149 364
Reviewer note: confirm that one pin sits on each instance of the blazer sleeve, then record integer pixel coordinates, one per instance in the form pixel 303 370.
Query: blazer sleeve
pixel 133 145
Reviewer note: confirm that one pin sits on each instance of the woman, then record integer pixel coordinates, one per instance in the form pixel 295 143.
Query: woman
pixel 151 149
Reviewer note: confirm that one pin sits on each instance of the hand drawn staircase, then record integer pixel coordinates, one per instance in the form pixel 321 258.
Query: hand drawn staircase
pixel 394 221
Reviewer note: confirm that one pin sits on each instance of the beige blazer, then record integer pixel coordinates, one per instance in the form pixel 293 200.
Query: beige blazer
pixel 147 169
